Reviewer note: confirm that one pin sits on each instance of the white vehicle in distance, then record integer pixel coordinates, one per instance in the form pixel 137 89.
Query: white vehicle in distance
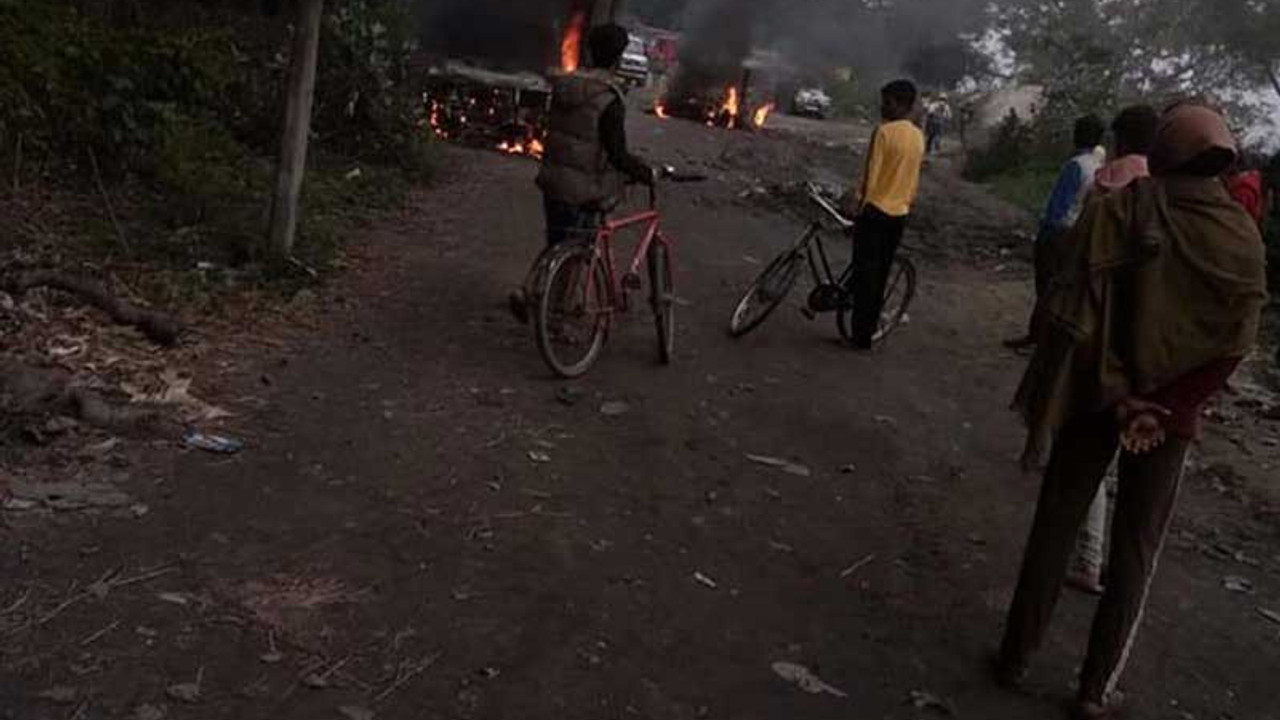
pixel 635 63
pixel 812 102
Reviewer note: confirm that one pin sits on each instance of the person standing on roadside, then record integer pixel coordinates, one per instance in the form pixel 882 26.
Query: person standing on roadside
pixel 1066 202
pixel 1161 298
pixel 586 163
pixel 936 120
pixel 1133 132
pixel 889 188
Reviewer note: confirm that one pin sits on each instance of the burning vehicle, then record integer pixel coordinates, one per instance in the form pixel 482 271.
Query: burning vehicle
pixel 483 108
pixel 488 61
pixel 635 63
pixel 721 79
pixel 812 102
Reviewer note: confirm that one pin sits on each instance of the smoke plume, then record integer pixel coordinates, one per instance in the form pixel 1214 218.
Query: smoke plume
pixel 500 34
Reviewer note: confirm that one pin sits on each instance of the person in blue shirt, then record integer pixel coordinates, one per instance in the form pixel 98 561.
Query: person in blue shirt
pixel 1066 202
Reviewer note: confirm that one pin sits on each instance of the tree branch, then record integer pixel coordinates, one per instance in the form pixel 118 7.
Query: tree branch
pixel 158 327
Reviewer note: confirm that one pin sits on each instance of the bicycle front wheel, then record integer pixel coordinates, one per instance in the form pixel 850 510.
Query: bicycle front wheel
pixel 572 321
pixel 898 295
pixel 663 292
pixel 767 293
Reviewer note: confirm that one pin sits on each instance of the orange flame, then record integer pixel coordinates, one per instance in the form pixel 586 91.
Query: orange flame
pixel 660 109
pixel 762 115
pixel 434 121
pixel 534 148
pixel 571 44
pixel 732 108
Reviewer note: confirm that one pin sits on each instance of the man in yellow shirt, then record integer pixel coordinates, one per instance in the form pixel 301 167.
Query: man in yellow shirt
pixel 888 191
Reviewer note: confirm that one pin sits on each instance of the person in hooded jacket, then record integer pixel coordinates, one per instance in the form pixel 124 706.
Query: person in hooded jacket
pixel 1158 302
pixel 586 163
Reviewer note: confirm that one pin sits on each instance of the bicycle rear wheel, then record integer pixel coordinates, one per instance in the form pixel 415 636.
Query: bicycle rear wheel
pixel 663 296
pixel 572 320
pixel 767 293
pixel 898 295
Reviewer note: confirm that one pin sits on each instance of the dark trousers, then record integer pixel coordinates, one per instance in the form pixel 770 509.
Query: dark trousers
pixel 569 222
pixel 565 222
pixel 1048 262
pixel 933 137
pixel 874 248
pixel 1144 508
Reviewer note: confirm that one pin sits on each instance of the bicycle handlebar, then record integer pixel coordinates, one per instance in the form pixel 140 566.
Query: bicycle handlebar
pixel 820 198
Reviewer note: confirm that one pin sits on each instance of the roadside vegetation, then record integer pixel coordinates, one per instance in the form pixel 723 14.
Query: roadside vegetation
pixel 146 132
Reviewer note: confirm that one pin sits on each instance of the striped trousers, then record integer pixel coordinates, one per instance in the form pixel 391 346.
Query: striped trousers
pixel 1148 492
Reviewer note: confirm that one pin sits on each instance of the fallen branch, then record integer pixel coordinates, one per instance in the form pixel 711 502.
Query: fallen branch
pixel 858 566
pixel 407 674
pixel 158 327
pixel 30 390
pixel 99 635
pixel 99 589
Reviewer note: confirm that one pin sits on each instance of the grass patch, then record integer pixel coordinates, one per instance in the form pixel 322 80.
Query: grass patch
pixel 1027 187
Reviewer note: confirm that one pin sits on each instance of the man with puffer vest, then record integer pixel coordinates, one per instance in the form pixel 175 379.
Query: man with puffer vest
pixel 586 163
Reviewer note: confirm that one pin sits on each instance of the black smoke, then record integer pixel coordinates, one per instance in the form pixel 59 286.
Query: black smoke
pixel 719 36
pixel 512 35
pixel 877 39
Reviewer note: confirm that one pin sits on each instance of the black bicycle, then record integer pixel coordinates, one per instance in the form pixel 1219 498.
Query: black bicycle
pixel 830 293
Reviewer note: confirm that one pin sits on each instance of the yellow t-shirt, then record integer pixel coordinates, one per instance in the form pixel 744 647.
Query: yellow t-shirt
pixel 892 178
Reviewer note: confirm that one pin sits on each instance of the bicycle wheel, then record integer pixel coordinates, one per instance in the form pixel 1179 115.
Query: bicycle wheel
pixel 898 295
pixel 572 321
pixel 663 296
pixel 767 293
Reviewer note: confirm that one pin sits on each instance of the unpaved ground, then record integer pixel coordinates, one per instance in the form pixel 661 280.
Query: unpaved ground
pixel 424 525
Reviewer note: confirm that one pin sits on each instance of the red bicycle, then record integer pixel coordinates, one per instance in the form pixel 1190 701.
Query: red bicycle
pixel 579 293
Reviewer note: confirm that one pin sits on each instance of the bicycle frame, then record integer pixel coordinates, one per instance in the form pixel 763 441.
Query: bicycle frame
pixel 820 261
pixel 617 300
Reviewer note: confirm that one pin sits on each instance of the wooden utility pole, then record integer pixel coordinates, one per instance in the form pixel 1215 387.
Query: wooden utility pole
pixel 299 99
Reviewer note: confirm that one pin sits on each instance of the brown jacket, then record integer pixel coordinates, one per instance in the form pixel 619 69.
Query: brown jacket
pixel 1164 277
pixel 576 169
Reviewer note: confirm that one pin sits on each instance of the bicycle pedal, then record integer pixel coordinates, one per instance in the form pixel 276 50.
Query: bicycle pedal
pixel 631 281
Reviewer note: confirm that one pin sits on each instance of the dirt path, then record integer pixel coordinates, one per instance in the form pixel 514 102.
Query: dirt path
pixel 424 525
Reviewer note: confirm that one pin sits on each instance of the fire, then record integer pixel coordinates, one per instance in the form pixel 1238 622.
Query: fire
pixel 660 109
pixel 534 148
pixel 571 45
pixel 728 113
pixel 762 115
pixel 434 121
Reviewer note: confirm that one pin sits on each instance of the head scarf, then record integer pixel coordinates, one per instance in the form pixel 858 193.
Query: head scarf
pixel 1186 132
pixel 1121 173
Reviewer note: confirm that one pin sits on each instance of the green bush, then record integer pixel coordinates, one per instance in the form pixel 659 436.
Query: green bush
pixel 213 184
pixel 182 108
pixel 1012 148
pixel 854 100
pixel 1028 187
pixel 69 83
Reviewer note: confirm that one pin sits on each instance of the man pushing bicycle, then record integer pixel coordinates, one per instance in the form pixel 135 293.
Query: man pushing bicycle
pixel 586 162
pixel 882 204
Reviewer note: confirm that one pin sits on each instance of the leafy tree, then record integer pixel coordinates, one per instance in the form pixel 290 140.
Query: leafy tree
pixel 1091 54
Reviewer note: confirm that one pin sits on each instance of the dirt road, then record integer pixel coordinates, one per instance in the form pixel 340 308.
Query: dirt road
pixel 425 525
